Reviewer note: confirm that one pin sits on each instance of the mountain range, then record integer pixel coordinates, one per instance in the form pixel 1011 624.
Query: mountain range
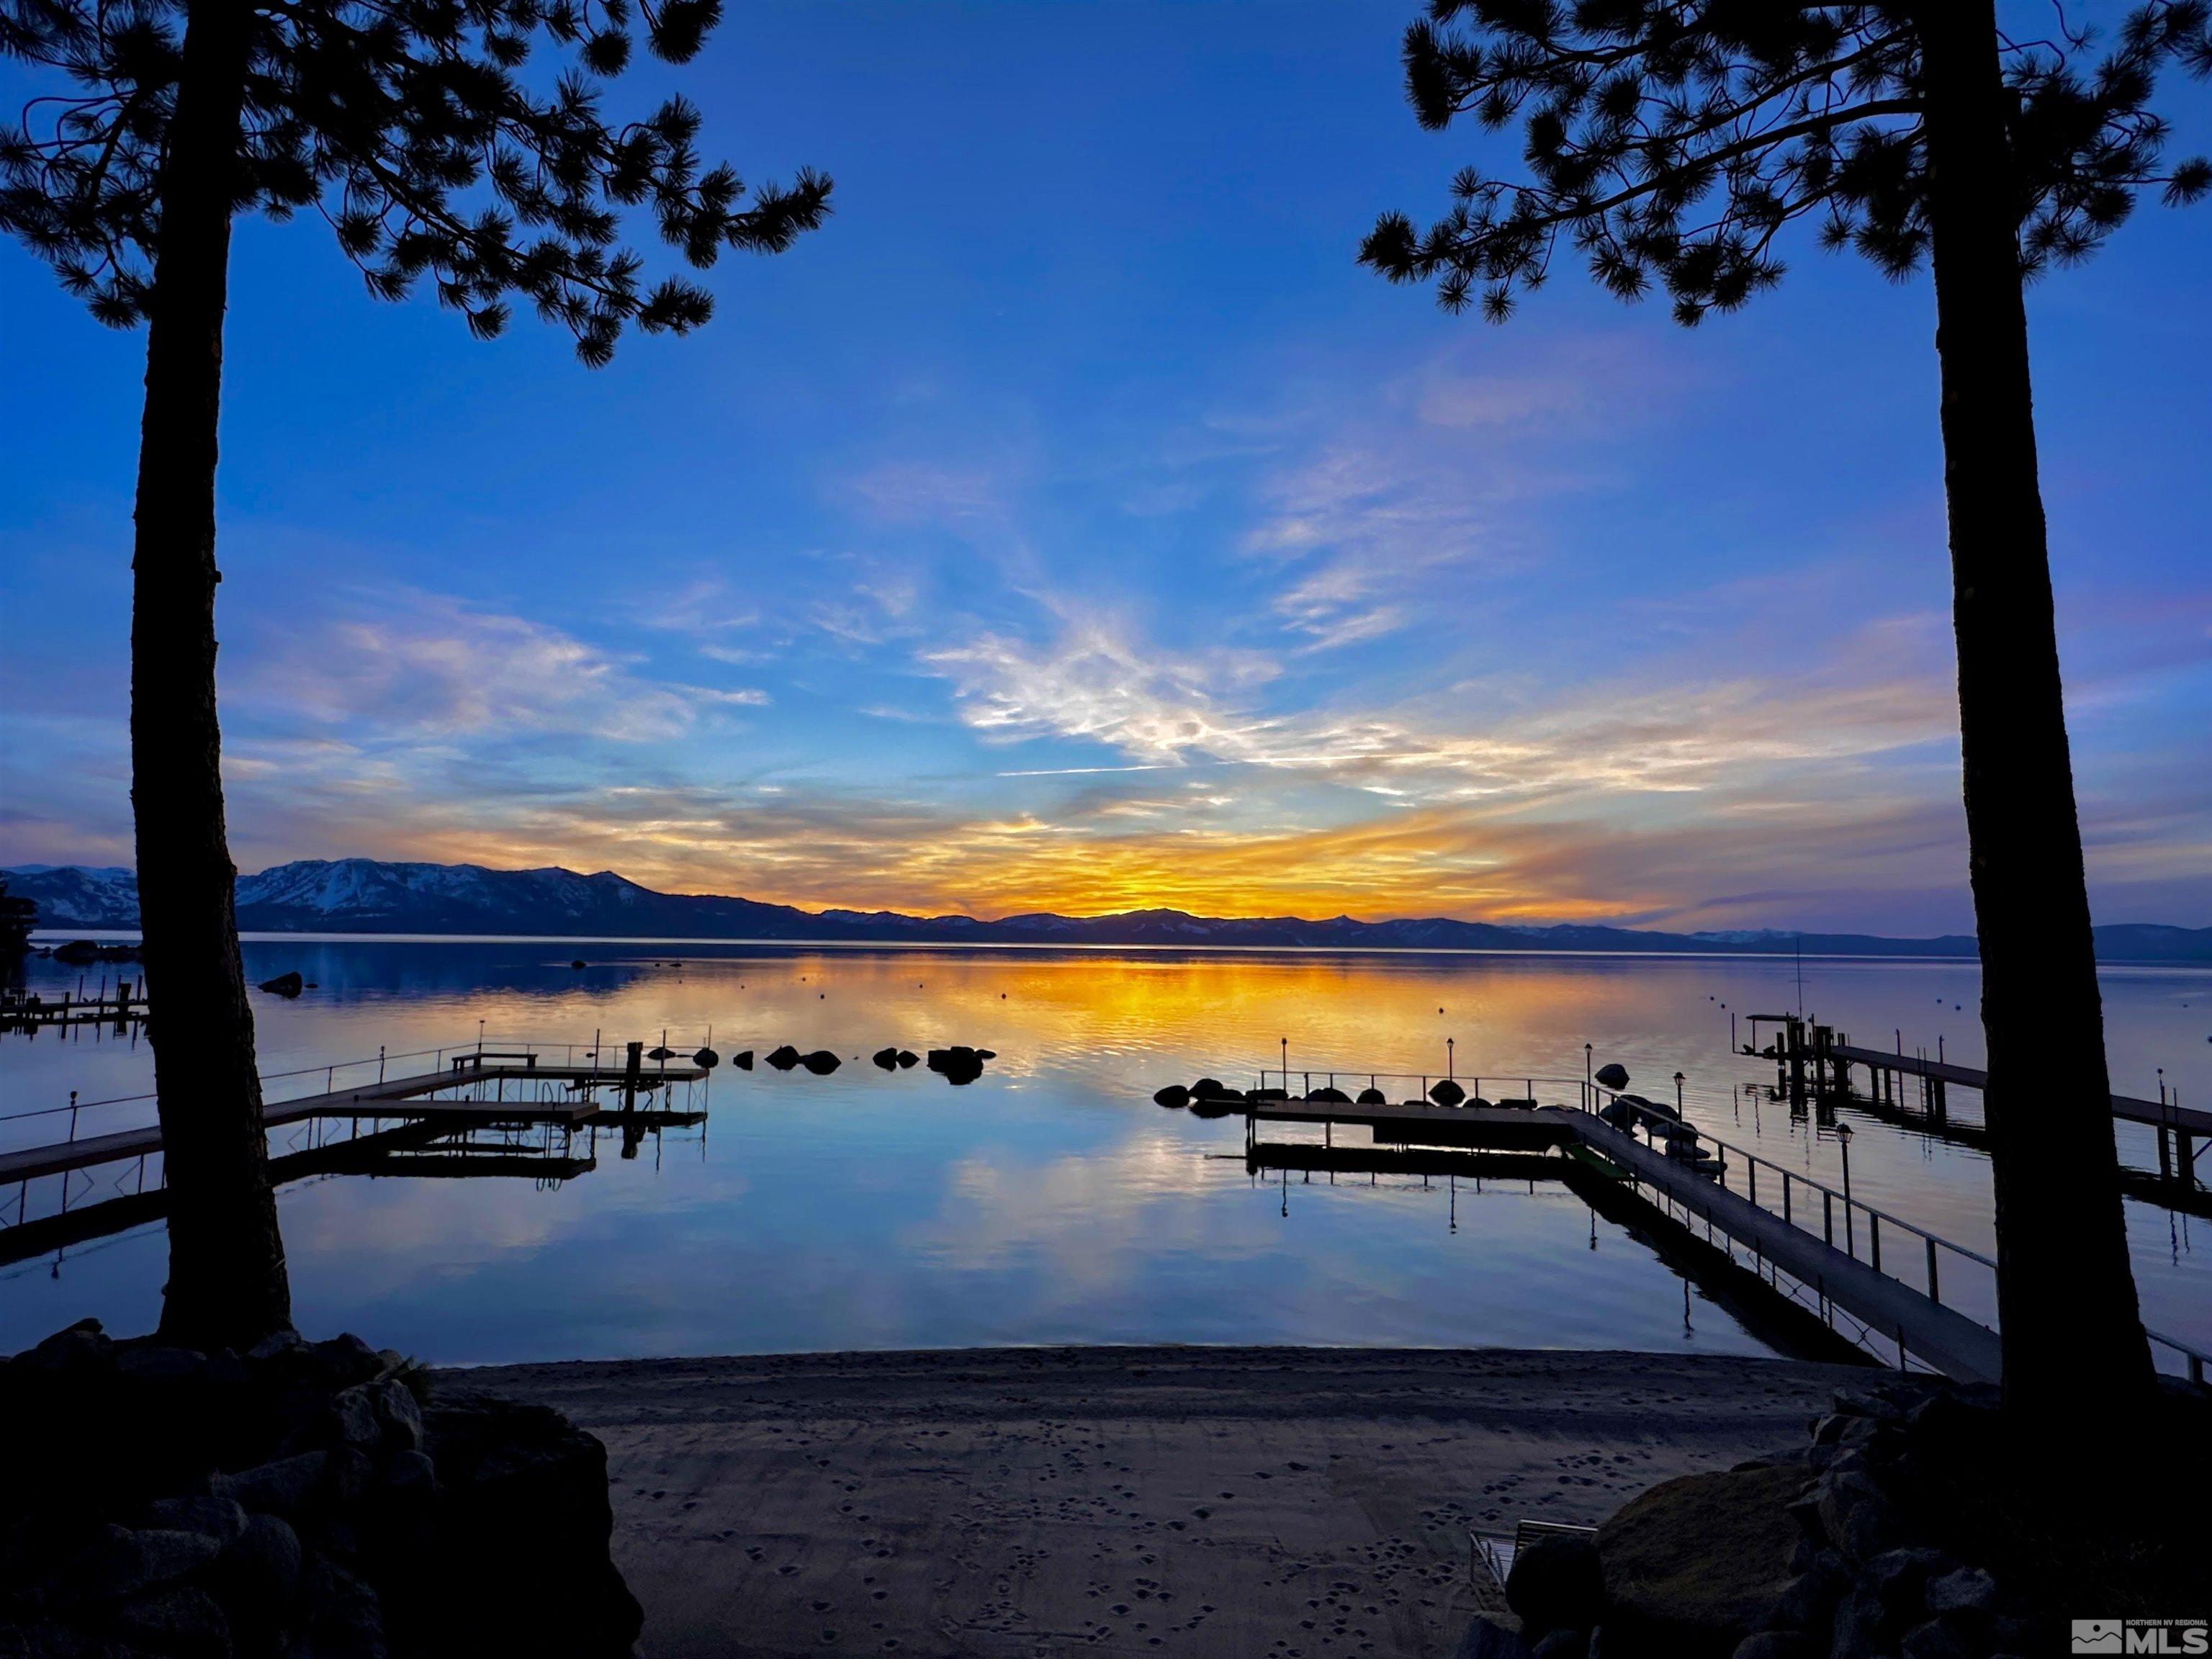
pixel 368 895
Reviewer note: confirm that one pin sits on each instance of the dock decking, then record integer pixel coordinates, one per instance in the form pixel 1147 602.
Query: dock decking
pixel 1800 1241
pixel 2188 1120
pixel 406 1099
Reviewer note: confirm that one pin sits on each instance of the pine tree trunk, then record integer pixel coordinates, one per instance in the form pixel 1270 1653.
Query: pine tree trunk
pixel 2066 1293
pixel 227 1280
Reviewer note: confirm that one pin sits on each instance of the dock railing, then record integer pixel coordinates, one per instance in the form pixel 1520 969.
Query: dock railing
pixel 1932 1246
pixel 1810 1206
pixel 605 1057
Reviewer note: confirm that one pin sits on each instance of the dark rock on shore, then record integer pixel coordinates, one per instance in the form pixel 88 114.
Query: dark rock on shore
pixel 1556 1585
pixel 295 1500
pixel 1697 1563
pixel 527 1488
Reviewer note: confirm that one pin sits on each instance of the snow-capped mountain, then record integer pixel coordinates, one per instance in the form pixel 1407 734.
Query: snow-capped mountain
pixel 368 895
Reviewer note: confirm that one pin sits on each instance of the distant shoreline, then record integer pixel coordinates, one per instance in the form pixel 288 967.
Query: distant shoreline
pixel 50 937
pixel 367 897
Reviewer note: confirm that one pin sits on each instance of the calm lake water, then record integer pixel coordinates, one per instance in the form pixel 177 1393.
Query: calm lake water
pixel 1050 1201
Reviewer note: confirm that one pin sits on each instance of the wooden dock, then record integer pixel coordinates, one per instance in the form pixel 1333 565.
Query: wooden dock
pixel 2191 1121
pixel 1826 1244
pixel 407 1099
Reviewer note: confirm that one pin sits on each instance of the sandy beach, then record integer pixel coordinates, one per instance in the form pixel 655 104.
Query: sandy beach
pixel 1275 1502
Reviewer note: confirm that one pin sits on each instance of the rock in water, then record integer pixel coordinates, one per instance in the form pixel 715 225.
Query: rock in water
pixel 578 963
pixel 958 1064
pixel 908 1057
pixel 1373 1097
pixel 1447 1093
pixel 284 985
pixel 1613 1075
pixel 706 1060
pixel 887 1059
pixel 784 1058
pixel 742 1059
pixel 821 1063
pixel 1332 1095
pixel 1174 1095
pixel 1206 1087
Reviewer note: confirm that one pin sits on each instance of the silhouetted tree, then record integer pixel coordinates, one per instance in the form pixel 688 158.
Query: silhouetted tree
pixel 17 917
pixel 1672 142
pixel 410 127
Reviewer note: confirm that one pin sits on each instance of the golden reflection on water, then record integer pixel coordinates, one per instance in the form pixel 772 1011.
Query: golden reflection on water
pixel 1051 1200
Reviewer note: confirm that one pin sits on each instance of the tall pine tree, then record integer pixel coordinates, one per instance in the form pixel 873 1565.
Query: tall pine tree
pixel 1671 143
pixel 413 129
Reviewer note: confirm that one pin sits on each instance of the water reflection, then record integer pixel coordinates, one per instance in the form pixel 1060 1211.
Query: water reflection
pixel 1048 1200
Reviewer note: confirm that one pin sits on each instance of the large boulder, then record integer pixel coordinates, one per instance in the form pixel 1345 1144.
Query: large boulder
pixel 1445 1092
pixel 1556 1584
pixel 521 1491
pixel 1174 1095
pixel 1696 1565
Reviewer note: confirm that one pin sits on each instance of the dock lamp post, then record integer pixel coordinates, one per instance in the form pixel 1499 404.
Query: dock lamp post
pixel 1678 1094
pixel 1843 1141
pixel 1286 1066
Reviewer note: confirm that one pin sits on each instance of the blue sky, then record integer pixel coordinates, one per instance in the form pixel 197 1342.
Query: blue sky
pixel 1071 523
